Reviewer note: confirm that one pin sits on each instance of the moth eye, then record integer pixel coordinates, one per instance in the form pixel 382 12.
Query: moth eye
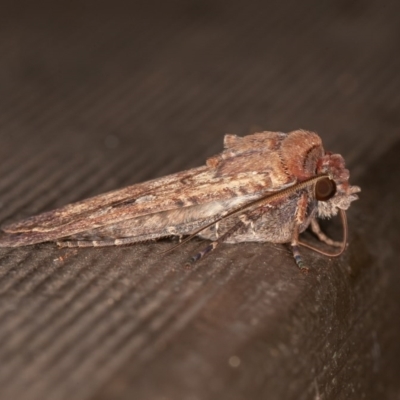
pixel 325 189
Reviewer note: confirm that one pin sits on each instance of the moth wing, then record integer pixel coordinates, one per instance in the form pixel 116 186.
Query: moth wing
pixel 250 171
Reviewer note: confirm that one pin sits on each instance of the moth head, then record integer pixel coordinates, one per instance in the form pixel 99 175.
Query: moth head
pixel 335 192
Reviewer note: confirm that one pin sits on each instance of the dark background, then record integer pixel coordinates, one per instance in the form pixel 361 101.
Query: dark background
pixel 97 96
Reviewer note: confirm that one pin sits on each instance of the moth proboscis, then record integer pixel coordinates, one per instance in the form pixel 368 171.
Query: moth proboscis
pixel 264 187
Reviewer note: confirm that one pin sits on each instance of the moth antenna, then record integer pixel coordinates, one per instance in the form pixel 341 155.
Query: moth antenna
pixel 213 245
pixel 191 236
pixel 262 200
pixel 344 241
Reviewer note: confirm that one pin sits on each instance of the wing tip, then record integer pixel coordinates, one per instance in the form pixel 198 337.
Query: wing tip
pixel 20 239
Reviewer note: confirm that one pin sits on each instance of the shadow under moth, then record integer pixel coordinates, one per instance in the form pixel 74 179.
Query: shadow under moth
pixel 264 187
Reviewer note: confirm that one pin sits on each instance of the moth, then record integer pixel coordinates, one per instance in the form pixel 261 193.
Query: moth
pixel 264 187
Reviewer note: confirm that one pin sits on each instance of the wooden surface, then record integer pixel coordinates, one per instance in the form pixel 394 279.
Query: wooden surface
pixel 95 98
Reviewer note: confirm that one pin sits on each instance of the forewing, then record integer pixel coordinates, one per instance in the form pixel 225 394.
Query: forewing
pixel 223 178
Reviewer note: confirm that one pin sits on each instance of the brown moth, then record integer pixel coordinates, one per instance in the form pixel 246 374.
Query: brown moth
pixel 264 187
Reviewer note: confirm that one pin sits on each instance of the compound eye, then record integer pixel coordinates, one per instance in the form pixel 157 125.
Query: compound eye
pixel 325 189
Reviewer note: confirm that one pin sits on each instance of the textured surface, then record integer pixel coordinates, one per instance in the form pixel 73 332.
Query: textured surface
pixel 97 98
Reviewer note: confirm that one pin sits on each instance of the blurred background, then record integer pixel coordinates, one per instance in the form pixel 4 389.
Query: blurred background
pixel 98 95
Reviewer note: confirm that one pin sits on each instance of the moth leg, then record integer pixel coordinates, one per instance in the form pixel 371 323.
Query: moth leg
pixel 217 230
pixel 299 219
pixel 243 222
pixel 96 243
pixel 321 235
pixel 296 252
